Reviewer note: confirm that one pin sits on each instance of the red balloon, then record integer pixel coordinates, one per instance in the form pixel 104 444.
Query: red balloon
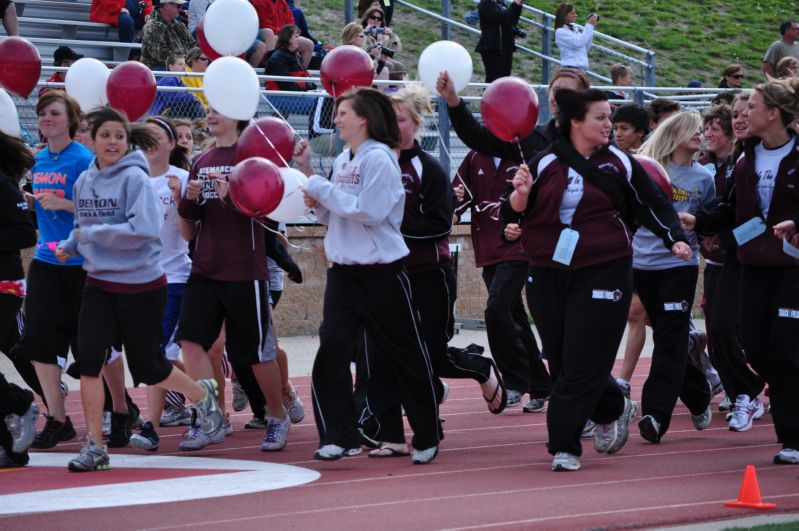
pixel 256 187
pixel 131 89
pixel 253 144
pixel 344 68
pixel 509 108
pixel 203 43
pixel 658 174
pixel 20 66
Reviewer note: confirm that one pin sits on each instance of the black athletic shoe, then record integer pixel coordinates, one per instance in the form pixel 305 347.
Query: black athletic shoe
pixel 120 430
pixel 147 439
pixel 53 433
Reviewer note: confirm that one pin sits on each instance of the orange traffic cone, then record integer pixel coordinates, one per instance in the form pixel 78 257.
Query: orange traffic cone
pixel 749 496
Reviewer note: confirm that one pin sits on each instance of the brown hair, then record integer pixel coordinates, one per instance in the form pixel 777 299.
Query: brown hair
pixel 722 113
pixel 782 94
pixel 369 12
pixel 377 109
pixel 17 158
pixel 560 14
pixel 138 135
pixel 178 157
pixel 784 65
pixel 285 34
pixel 574 74
pixel 350 31
pixel 71 104
pixel 618 71
pixel 659 107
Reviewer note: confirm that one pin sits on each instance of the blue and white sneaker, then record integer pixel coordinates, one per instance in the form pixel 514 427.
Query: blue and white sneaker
pixel 277 434
pixel 22 428
pixel 209 416
pixel 196 439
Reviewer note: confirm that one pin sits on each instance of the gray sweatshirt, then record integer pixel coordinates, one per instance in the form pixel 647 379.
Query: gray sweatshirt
pixel 119 217
pixel 693 189
pixel 362 205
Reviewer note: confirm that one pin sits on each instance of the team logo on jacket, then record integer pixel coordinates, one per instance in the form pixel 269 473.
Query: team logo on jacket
pixel 788 313
pixel 614 295
pixel 681 306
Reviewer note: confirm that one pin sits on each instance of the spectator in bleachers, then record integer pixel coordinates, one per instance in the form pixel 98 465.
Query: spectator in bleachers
pixel 786 46
pixel 127 15
pixel 301 22
pixel 787 67
pixel 273 15
pixel 64 56
pixel 620 76
pixel 176 104
pixel 386 5
pixel 163 35
pixel 497 39
pixel 572 42
pixel 8 12
pixel 196 62
pixel 353 35
pixel 285 61
pixel 197 9
pixel 731 77
pixel 382 37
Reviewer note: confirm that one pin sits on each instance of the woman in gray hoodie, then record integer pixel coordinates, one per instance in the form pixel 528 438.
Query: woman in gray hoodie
pixel 117 231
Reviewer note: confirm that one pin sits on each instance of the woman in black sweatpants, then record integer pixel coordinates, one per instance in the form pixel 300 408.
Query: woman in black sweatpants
pixel 574 220
pixel 764 210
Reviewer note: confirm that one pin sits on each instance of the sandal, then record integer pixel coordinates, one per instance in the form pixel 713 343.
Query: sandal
pixel 499 387
pixel 390 450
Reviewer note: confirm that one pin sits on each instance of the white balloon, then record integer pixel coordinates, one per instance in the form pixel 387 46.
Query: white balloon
pixel 292 206
pixel 231 26
pixel 449 56
pixel 85 81
pixel 231 87
pixel 9 119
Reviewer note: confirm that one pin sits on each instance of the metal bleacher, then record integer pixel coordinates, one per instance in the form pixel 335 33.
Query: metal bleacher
pixel 49 24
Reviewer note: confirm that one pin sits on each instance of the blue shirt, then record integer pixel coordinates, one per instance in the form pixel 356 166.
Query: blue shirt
pixel 57 175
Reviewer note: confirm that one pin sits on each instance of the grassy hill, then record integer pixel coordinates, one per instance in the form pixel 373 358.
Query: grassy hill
pixel 692 40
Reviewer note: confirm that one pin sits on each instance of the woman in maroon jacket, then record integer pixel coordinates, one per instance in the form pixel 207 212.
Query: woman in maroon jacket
pixel 763 209
pixel 578 244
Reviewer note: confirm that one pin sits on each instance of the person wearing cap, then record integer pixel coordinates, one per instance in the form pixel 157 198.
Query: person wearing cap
pixel 8 14
pixel 64 56
pixel 126 15
pixel 196 62
pixel 164 35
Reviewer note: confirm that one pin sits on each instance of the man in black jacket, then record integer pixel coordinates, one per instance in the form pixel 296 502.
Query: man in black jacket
pixel 496 44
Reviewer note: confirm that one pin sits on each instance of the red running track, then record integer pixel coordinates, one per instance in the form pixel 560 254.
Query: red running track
pixel 492 472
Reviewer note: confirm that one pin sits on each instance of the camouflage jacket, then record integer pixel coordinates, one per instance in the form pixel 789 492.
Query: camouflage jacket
pixel 161 39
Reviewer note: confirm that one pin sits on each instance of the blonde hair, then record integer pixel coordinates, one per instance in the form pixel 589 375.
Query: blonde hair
pixel 416 98
pixel 782 94
pixel 676 130
pixel 350 31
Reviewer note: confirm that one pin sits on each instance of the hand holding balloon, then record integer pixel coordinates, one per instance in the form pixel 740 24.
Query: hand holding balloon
pixel 687 221
pixel 523 180
pixel 174 185
pixel 512 232
pixel 310 202
pixel 681 250
pixel 302 157
pixel 460 192
pixel 220 183
pixel 193 189
pixel 51 202
pixel 446 89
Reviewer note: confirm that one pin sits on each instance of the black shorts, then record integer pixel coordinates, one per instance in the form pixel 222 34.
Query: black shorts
pixel 135 319
pixel 244 308
pixel 52 306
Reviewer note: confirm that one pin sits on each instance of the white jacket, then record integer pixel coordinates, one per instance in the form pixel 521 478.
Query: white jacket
pixel 574 45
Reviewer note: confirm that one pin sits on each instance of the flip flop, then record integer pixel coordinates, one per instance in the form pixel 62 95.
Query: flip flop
pixel 390 450
pixel 500 387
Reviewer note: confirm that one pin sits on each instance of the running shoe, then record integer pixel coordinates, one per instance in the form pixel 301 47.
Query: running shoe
pixel 649 428
pixel 514 398
pixel 745 412
pixel 147 439
pixel 22 428
pixel 623 426
pixel 588 430
pixel 423 457
pixel 53 433
pixel 196 439
pixel 106 429
pixel 175 417
pixel 535 405
pixel 624 385
pixel 725 404
pixel 227 426
pixel 331 452
pixel 277 434
pixel 294 406
pixel 209 416
pixel 787 456
pixel 444 393
pixel 702 420
pixel 135 418
pixel 92 457
pixel 64 389
pixel 565 462
pixel 255 423
pixel 120 430
pixel 240 400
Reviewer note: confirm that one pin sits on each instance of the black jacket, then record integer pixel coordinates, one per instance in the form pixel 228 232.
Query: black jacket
pixel 496 24
pixel 16 229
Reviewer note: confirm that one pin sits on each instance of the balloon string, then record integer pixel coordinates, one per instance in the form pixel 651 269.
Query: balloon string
pixel 272 145
pixel 278 233
pixel 294 131
pixel 518 142
pixel 457 172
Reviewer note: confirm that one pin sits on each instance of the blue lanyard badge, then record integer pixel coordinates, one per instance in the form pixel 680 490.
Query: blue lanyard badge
pixel 567 243
pixel 789 249
pixel 749 231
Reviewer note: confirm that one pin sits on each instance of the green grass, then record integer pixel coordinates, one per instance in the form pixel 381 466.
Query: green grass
pixel 692 40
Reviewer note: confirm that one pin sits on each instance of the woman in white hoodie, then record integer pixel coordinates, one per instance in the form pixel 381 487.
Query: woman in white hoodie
pixel 367 288
pixel 572 42
pixel 117 231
